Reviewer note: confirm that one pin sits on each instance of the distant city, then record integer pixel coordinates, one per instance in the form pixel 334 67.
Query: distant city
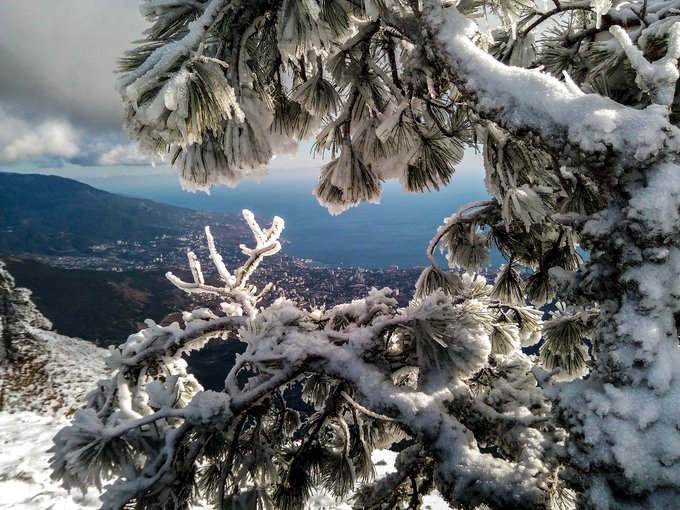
pixel 301 280
pixel 169 232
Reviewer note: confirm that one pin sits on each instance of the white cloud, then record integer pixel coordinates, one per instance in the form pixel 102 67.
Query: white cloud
pixel 58 100
pixel 127 155
pixel 21 140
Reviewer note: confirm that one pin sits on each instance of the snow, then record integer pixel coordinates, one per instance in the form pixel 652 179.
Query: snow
pixel 529 100
pixel 656 205
pixel 25 482
pixel 657 78
pixel 207 405
pixel 463 464
pixel 53 379
pixel 633 423
pixel 623 420
pixel 600 7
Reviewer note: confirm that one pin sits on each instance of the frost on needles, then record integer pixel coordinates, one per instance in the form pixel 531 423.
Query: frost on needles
pixel 574 106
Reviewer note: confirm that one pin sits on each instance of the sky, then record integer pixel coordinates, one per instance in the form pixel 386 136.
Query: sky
pixel 58 102
pixel 60 112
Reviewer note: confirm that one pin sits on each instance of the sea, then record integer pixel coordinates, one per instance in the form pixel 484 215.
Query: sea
pixel 395 232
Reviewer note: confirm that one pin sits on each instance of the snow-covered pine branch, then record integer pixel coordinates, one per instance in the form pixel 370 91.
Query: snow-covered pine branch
pixel 575 108
pixel 151 425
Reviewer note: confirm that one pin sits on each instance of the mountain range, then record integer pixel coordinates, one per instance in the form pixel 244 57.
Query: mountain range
pixel 96 261
pixel 52 215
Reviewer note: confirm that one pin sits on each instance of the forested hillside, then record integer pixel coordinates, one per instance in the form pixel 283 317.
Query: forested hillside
pixel 102 306
pixel 48 214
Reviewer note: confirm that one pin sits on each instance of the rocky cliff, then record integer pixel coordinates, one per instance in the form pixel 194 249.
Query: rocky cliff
pixel 40 370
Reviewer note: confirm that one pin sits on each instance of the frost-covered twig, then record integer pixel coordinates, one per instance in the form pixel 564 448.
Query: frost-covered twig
pixel 547 106
pixel 163 409
pixel 162 59
pixel 160 341
pixel 267 244
pixel 560 7
pixel 361 408
pixel 236 286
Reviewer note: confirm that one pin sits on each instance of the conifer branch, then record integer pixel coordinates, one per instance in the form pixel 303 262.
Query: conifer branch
pixel 460 216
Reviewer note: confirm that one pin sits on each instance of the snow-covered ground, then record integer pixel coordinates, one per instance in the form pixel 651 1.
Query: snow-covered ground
pixel 25 482
pixel 54 374
pixel 24 471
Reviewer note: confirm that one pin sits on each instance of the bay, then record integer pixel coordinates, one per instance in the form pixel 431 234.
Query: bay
pixel 395 232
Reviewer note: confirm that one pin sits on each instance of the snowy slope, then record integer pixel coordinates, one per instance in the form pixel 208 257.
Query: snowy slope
pixel 43 377
pixel 40 370
pixel 24 472
pixel 53 374
pixel 25 482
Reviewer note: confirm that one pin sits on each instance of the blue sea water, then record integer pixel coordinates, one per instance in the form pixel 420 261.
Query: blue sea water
pixel 395 232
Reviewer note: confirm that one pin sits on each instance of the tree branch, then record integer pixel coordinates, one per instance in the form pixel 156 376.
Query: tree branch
pixel 540 104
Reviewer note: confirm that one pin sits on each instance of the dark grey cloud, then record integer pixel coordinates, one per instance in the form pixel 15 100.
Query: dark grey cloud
pixel 57 80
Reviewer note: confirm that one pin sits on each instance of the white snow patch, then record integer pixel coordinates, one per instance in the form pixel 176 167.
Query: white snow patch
pixel 25 482
pixel 657 205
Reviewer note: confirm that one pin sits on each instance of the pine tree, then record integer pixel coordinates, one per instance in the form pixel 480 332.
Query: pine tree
pixel 574 106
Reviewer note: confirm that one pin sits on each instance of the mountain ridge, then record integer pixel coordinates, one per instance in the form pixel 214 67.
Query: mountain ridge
pixel 104 306
pixel 50 215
